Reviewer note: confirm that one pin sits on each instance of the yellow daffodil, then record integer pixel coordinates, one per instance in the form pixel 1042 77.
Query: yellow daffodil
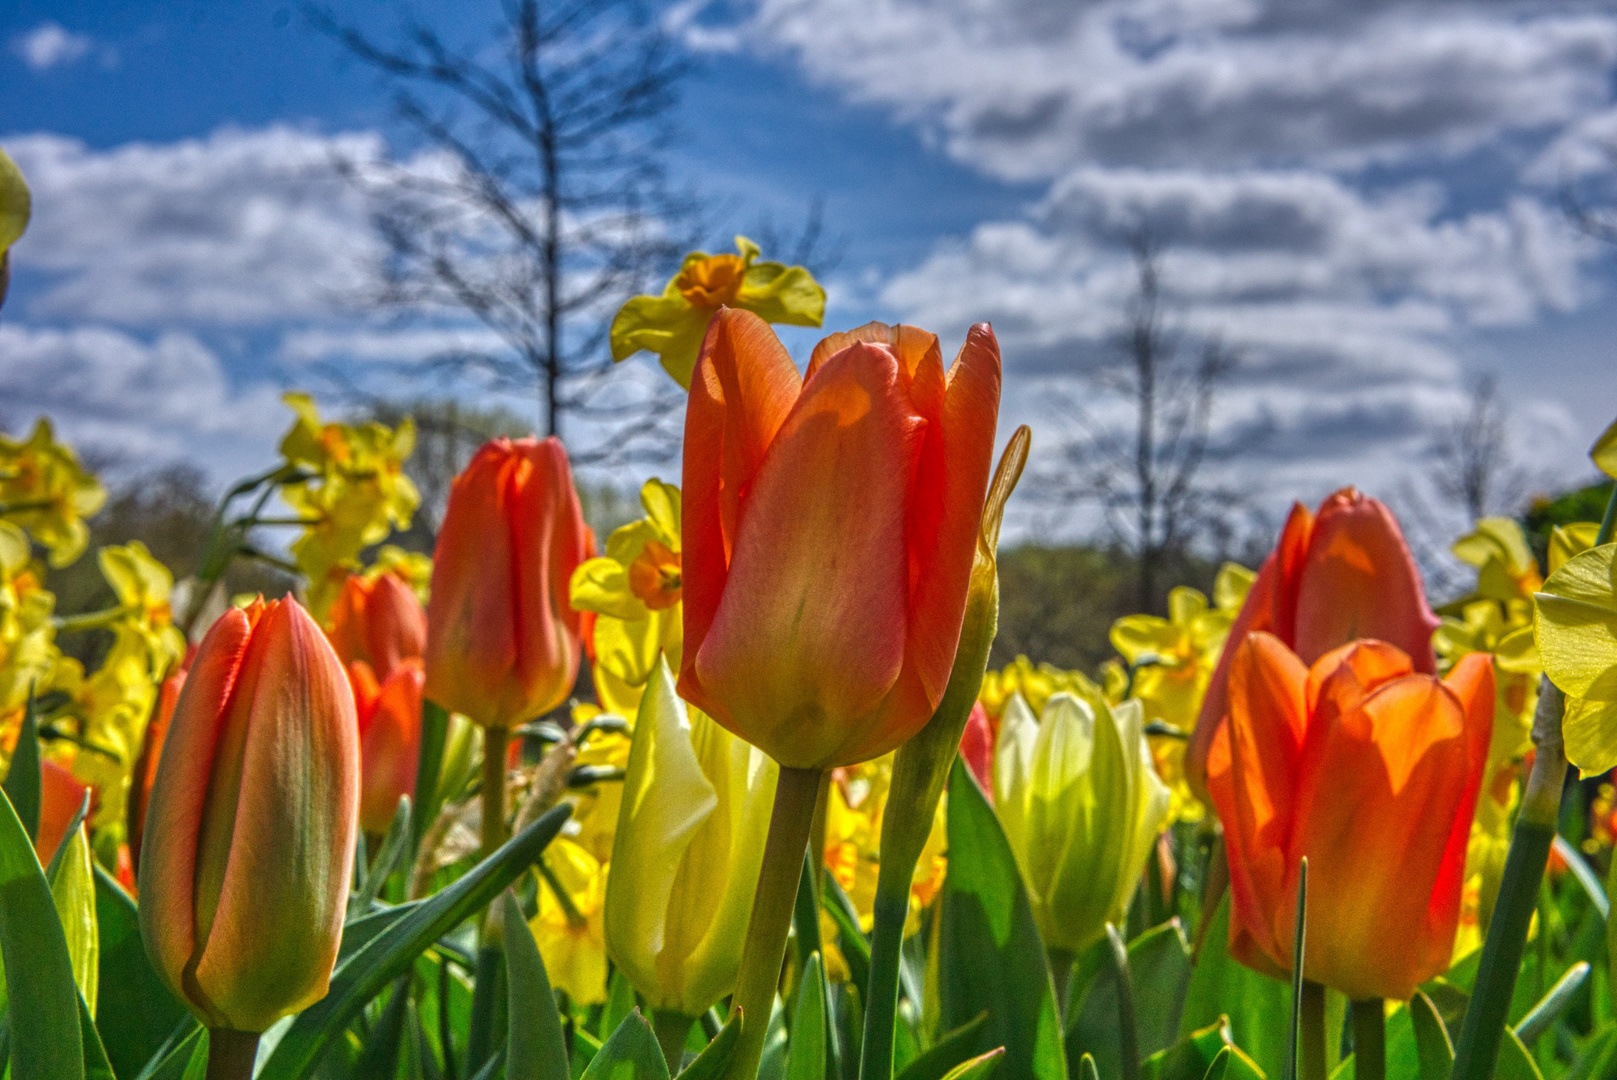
pixel 358 492
pixel 596 808
pixel 143 586
pixel 1082 806
pixel 1506 569
pixel 15 205
pixel 1576 629
pixel 690 840
pixel 1604 451
pixel 45 490
pixel 672 325
pixel 1569 540
pixel 569 925
pixel 634 591
pixel 29 657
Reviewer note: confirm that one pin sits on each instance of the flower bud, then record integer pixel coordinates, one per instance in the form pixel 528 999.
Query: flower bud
pixel 250 831
pixel 379 621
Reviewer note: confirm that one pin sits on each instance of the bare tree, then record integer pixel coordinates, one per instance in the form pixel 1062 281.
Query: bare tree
pixel 1473 467
pixel 1147 474
pixel 541 204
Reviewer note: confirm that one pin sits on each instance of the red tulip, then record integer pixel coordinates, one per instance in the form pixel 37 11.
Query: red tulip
pixel 977 748
pixel 1332 578
pixel 502 637
pixel 251 828
pixel 828 529
pixel 1371 770
pixel 379 621
pixel 389 739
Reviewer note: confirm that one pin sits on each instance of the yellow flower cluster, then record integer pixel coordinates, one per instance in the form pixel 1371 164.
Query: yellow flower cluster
pixel 1036 684
pixel 355 493
pixel 47 492
pixel 29 658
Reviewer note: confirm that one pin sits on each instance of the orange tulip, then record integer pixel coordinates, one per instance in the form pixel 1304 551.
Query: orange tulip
pixel 1371 770
pixel 251 829
pixel 389 739
pixel 1332 578
pixel 151 751
pixel 379 621
pixel 502 638
pixel 828 528
pixel 977 748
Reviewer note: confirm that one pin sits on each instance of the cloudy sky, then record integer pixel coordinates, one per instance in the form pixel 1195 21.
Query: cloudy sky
pixel 1363 202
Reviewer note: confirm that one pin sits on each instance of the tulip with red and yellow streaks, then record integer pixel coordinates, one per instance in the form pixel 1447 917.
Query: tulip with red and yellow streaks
pixel 250 831
pixel 1370 769
pixel 377 619
pixel 1333 577
pixel 502 638
pixel 829 524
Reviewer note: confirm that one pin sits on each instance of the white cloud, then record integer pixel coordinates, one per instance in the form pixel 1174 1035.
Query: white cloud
pixel 50 45
pixel 138 400
pixel 237 229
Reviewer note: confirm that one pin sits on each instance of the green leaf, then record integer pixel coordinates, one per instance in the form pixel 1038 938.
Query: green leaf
pixel 96 1066
pixel 1256 1007
pixel 136 1012
pixel 61 849
pixel 1192 1057
pixel 772 1065
pixel 631 1053
pixel 534 1048
pixel 1087 1070
pixel 380 1056
pixel 990 956
pixel 1158 959
pixel 851 940
pixel 1515 1063
pixel 23 780
pixel 619 1004
pixel 363 975
pixel 395 852
pixel 44 1001
pixel 361 930
pixel 173 1059
pixel 805 1053
pixel 73 891
pixel 711 1062
pixel 947 1052
pixel 1542 1015
pixel 1434 1051
pixel 978 1067
pixel 429 765
pixel 1220 1067
pixel 1597 1059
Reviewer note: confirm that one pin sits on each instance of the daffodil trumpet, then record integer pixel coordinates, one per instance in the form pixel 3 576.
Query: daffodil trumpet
pixel 922 766
pixel 1477 1050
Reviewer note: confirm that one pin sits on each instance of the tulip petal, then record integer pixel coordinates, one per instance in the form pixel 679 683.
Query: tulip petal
pixel 1379 790
pixel 1013 768
pixel 977 749
pixel 1347 674
pixel 666 798
pixel 174 814
pixel 1252 776
pixel 549 541
pixel 745 385
pixel 1472 682
pixel 809 635
pixel 274 933
pixel 1360 581
pixel 390 746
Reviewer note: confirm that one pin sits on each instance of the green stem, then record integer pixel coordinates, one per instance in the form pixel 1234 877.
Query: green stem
pixel 495 741
pixel 231 1054
pixel 90 620
pixel 671 1027
pixel 1369 1039
pixel 1478 1049
pixel 1127 1030
pixel 765 946
pixel 1311 1034
pixel 891 911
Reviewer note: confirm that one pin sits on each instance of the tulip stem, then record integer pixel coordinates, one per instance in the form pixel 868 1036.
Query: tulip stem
pixel 1478 1049
pixel 671 1027
pixel 891 911
pixel 495 741
pixel 1061 975
pixel 765 946
pixel 1369 1039
pixel 231 1054
pixel 1311 1033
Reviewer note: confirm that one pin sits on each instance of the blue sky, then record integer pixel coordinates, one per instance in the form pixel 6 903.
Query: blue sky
pixel 1362 201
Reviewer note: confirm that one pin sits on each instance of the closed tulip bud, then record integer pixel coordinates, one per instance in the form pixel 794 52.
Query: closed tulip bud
pixel 686 855
pixel 1369 769
pixel 1081 805
pixel 250 831
pixel 829 526
pixel 379 621
pixel 389 739
pixel 1333 577
pixel 502 638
